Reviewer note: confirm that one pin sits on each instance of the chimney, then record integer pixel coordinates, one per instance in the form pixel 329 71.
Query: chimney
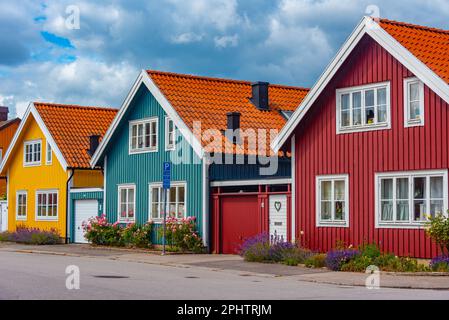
pixel 260 95
pixel 94 141
pixel 4 113
pixel 233 125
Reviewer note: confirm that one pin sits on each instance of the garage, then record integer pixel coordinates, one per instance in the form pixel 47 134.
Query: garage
pixel 242 212
pixel 84 210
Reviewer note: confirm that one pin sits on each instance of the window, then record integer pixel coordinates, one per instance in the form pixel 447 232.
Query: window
pixel 32 153
pixel 127 202
pixel 414 102
pixel 170 134
pixel 143 136
pixel 405 199
pixel 363 108
pixel 176 201
pixel 47 205
pixel 332 201
pixel 21 205
pixel 48 157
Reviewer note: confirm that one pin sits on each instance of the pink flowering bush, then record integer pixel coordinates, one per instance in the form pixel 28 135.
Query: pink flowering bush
pixel 99 231
pixel 181 234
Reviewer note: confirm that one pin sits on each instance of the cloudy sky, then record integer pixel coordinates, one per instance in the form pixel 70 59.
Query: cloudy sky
pixel 280 41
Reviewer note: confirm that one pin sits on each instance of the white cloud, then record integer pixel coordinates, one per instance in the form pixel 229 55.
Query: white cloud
pixel 226 41
pixel 187 37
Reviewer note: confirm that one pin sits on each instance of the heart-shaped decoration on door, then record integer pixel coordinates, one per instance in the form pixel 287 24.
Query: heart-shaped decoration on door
pixel 278 206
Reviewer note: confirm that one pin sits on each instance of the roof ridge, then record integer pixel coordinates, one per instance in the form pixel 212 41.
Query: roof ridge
pixel 416 26
pixel 243 82
pixel 62 105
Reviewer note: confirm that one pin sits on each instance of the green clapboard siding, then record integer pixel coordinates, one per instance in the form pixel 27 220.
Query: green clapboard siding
pixel 143 169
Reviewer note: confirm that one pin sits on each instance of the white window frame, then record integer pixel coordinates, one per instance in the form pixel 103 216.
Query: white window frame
pixel 169 147
pixel 332 222
pixel 19 193
pixel 411 224
pixel 119 217
pixel 32 143
pixel 407 121
pixel 48 156
pixel 46 218
pixel 159 185
pixel 143 122
pixel 363 89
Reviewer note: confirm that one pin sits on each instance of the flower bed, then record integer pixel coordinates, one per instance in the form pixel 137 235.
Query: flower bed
pixel 263 248
pixel 33 236
pixel 181 235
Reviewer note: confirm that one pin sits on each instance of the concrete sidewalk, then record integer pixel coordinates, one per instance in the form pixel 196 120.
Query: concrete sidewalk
pixel 231 263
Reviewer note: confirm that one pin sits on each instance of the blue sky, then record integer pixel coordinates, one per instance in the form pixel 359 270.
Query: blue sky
pixel 280 41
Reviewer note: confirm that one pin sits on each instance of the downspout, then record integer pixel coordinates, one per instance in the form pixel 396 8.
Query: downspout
pixel 206 213
pixel 67 205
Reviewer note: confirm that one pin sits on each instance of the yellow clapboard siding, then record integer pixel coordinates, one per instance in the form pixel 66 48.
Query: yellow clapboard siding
pixel 88 179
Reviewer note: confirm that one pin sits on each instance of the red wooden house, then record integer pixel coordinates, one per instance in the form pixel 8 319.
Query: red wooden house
pixel 370 142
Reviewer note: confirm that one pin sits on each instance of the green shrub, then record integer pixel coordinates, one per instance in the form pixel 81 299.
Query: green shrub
pixel 5 236
pixel 137 236
pixel 316 261
pixel 182 234
pixel 438 230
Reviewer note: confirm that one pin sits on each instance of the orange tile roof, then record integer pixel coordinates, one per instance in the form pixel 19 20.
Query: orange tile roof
pixel 208 100
pixel 429 45
pixel 71 125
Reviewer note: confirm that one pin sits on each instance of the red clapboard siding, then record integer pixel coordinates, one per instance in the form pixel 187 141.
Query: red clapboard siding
pixel 320 151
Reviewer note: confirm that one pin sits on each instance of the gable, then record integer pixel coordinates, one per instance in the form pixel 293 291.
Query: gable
pixel 371 28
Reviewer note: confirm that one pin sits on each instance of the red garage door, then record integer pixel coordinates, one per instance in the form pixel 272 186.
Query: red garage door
pixel 239 221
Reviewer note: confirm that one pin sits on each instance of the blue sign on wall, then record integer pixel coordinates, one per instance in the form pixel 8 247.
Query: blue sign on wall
pixel 167 175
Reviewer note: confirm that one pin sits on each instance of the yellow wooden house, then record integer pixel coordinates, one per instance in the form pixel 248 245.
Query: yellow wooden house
pixel 47 163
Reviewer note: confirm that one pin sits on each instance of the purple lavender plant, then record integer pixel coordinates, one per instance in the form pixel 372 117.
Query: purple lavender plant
pixel 440 263
pixel 336 258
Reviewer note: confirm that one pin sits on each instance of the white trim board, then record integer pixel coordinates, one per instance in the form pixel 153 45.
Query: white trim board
pixel 366 26
pixel 82 190
pixel 145 79
pixel 234 183
pixel 33 111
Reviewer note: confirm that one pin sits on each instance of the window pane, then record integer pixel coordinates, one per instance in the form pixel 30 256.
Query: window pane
pixel 419 188
pixel 339 210
pixel 345 118
pixel 326 190
pixel 402 210
pixel 387 211
pixel 402 188
pixel 345 102
pixel 414 110
pixel 419 210
pixel 339 190
pixel 382 96
pixel 414 91
pixel 326 210
pixel 155 210
pixel 155 195
pixel 386 189
pixel 369 115
pixel 181 210
pixel 436 187
pixel 369 98
pixel 181 195
pixel 382 113
pixel 436 207
pixel 172 194
pixel 172 210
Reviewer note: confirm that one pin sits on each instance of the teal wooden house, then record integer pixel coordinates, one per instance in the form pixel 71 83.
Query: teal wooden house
pixel 183 119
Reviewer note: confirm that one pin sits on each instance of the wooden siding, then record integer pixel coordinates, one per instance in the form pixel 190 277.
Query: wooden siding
pixel 320 151
pixel 6 135
pixel 32 179
pixel 143 169
pixel 88 179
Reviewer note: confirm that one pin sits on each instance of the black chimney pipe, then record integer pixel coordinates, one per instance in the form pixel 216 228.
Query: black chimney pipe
pixel 234 124
pixel 260 95
pixel 94 141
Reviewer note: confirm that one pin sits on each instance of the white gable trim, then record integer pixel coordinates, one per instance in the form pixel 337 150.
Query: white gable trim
pixel 33 111
pixel 399 52
pixel 162 100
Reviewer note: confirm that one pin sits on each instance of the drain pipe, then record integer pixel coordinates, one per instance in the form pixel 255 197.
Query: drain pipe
pixel 67 205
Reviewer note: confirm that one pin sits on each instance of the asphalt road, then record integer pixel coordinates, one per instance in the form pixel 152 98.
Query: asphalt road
pixel 41 276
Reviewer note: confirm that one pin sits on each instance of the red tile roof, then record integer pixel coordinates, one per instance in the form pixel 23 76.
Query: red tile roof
pixel 71 125
pixel 208 100
pixel 429 45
